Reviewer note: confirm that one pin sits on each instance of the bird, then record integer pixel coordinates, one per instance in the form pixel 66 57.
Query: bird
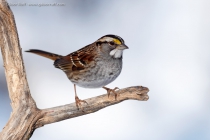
pixel 93 66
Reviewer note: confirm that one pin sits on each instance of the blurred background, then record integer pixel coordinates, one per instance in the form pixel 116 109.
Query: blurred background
pixel 169 52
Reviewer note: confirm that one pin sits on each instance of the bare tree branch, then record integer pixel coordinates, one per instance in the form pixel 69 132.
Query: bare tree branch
pixel 94 104
pixel 26 117
pixel 21 100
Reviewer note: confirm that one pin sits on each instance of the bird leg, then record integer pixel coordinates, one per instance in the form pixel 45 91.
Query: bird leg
pixel 111 90
pixel 77 100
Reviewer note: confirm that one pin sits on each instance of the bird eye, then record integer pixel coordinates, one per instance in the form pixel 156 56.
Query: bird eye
pixel 111 43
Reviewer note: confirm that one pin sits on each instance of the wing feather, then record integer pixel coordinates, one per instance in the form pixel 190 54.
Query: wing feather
pixel 77 60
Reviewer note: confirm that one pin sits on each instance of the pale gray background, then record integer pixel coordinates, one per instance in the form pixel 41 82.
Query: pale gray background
pixel 169 52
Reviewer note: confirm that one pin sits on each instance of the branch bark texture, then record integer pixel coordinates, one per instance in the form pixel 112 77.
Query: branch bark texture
pixel 26 117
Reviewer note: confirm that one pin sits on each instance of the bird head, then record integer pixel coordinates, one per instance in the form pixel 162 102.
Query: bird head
pixel 113 44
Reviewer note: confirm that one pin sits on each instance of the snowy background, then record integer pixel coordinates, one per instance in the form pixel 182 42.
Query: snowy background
pixel 169 52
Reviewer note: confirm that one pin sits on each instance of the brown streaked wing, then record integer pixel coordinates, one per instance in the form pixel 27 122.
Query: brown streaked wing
pixel 63 63
pixel 77 60
pixel 83 57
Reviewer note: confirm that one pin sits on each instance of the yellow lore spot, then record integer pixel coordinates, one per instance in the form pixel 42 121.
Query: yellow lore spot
pixel 117 41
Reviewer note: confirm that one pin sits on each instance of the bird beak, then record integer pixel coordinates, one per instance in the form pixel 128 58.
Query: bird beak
pixel 122 47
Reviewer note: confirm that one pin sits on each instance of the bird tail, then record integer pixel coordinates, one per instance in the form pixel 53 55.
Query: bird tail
pixel 49 55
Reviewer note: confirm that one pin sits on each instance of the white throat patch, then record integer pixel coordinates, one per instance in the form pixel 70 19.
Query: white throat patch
pixel 116 53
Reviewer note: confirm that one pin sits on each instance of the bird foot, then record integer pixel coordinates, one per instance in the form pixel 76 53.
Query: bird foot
pixel 109 91
pixel 79 103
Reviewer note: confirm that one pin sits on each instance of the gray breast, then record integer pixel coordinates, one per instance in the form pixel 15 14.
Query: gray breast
pixel 102 74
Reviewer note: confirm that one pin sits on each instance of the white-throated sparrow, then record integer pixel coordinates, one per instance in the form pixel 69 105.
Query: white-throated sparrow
pixel 93 66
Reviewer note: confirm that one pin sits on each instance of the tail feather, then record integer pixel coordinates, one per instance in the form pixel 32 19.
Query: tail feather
pixel 49 55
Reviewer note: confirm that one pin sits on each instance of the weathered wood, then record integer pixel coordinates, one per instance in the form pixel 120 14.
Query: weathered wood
pixel 60 113
pixel 21 101
pixel 26 117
